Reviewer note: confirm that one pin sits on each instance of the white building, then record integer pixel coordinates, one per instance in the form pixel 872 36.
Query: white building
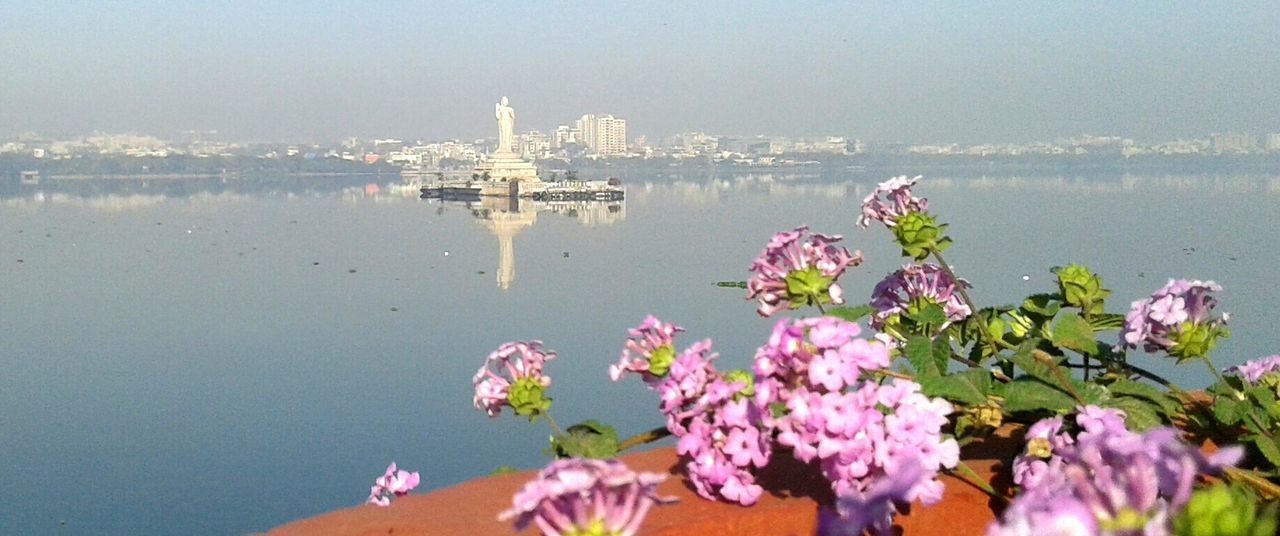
pixel 604 135
pixel 1273 141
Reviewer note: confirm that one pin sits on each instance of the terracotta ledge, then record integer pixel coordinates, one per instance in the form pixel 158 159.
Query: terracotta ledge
pixel 789 505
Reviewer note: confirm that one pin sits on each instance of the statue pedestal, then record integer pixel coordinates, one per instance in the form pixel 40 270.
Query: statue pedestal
pixel 508 166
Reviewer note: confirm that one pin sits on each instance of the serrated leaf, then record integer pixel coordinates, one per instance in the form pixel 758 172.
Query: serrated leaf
pixel 1092 393
pixel 942 354
pixel 1106 322
pixel 968 387
pixel 1268 448
pixel 851 314
pixel 1167 404
pixel 1140 414
pixel 1045 305
pixel 1227 410
pixel 1023 359
pixel 1033 395
pixel 931 315
pixel 919 352
pixel 1264 397
pixel 1072 332
pixel 587 439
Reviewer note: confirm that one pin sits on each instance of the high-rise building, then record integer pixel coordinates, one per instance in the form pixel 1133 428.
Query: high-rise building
pixel 1273 141
pixel 1231 142
pixel 604 135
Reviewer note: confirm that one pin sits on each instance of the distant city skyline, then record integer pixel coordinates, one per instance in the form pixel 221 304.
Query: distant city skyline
pixel 913 73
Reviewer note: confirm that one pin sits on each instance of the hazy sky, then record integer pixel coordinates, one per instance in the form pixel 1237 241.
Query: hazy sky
pixel 918 72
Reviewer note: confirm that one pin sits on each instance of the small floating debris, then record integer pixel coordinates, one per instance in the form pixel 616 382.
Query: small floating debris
pixel 446 253
pixel 1026 277
pixel 566 254
pixel 395 309
pixel 351 271
pixel 315 264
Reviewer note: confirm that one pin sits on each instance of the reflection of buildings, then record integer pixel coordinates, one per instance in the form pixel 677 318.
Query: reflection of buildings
pixel 506 217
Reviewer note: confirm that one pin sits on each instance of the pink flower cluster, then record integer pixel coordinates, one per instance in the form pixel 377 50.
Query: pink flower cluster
pixel 1175 318
pixel 511 363
pixel 897 202
pixel 648 351
pixel 725 441
pixel 393 483
pixel 913 286
pixel 791 261
pixel 1253 371
pixel 719 430
pixel 858 430
pixel 581 496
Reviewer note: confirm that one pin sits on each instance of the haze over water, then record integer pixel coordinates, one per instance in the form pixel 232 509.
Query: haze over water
pixel 223 363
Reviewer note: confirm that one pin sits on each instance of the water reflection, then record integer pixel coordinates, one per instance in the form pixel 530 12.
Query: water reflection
pixel 506 217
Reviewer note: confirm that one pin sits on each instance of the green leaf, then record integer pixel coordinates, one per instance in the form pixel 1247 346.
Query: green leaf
pixel 1045 305
pixel 732 284
pixel 1264 397
pixel 1072 332
pixel 931 315
pixel 919 352
pixel 1023 359
pixel 1166 403
pixel 1228 411
pixel 503 470
pixel 587 439
pixel 1032 395
pixel 851 314
pixel 1268 448
pixel 942 354
pixel 1106 322
pixel 1139 414
pixel 968 387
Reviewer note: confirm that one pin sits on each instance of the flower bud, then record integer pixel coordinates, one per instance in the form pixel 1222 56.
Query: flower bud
pixel 1081 288
pixel 918 233
pixel 526 398
pixel 1223 510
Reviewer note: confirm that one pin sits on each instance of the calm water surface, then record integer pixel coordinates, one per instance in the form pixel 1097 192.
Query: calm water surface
pixel 223 363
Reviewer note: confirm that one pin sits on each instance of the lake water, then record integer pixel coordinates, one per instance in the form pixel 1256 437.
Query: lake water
pixel 220 362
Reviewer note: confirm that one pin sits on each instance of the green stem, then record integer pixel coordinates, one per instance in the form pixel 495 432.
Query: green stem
pixel 1252 479
pixel 820 308
pixel 964 295
pixel 648 436
pixel 555 429
pixel 892 374
pixel 967 474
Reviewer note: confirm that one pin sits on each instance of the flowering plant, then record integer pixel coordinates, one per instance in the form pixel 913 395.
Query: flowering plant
pixel 1110 447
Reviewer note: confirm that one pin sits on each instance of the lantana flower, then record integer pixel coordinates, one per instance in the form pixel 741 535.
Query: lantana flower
pixel 1048 437
pixel 873 510
pixel 797 268
pixel 649 351
pixel 512 376
pixel 725 441
pixel 393 483
pixel 905 293
pixel 581 497
pixel 1121 484
pixel 810 375
pixel 1259 371
pixel 1178 319
pixel 906 215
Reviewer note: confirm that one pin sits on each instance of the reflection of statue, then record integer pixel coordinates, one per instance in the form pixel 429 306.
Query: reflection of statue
pixel 506 116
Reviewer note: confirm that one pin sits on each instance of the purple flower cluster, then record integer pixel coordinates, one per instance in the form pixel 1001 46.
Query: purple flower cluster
pixel 517 363
pixel 858 430
pixel 912 288
pixel 1046 438
pixel 649 351
pixel 872 510
pixel 1177 319
pixel 393 483
pixel 1255 371
pixel 1110 482
pixel 897 202
pixel 581 496
pixel 795 270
